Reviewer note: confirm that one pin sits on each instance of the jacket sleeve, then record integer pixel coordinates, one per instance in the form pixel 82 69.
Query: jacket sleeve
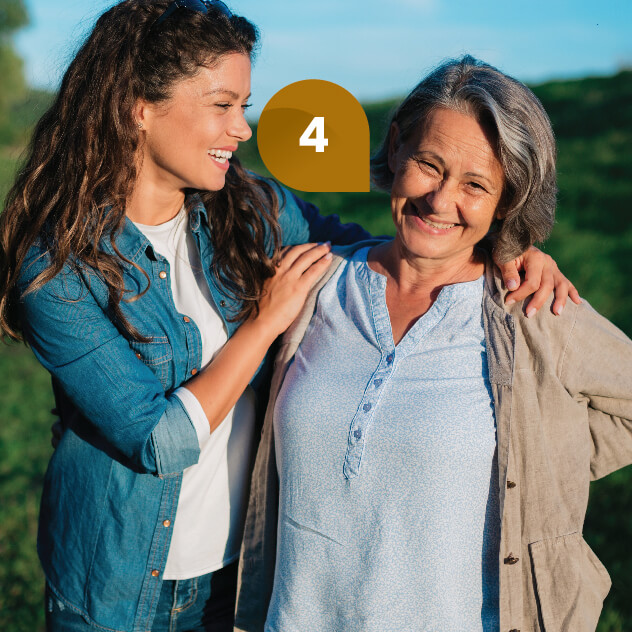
pixel 302 222
pixel 115 391
pixel 597 365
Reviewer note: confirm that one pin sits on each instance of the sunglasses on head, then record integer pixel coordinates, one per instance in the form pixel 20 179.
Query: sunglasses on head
pixel 201 6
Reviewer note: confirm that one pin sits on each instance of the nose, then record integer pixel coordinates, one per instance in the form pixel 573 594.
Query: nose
pixel 239 129
pixel 442 197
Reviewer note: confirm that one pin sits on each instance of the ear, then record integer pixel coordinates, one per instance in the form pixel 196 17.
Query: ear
pixel 393 146
pixel 140 112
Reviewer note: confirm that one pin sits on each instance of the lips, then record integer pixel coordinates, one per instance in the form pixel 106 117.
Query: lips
pixel 222 156
pixel 440 226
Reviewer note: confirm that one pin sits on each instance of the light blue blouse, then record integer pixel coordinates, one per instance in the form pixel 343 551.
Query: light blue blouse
pixel 389 516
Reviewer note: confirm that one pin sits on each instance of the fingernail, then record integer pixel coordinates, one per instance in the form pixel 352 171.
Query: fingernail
pixel 328 256
pixel 559 309
pixel 512 284
pixel 531 311
pixel 509 301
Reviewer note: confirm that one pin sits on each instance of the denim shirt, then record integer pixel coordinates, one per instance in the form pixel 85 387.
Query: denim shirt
pixel 111 489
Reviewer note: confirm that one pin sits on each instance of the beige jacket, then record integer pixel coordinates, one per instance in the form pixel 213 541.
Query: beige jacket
pixel 562 388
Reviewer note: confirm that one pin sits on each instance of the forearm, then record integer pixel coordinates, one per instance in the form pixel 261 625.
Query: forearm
pixel 220 384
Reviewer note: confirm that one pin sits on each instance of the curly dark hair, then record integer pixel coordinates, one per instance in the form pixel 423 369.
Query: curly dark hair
pixel 71 193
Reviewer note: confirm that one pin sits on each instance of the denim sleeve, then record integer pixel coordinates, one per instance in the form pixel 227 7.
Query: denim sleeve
pixel 121 397
pixel 301 222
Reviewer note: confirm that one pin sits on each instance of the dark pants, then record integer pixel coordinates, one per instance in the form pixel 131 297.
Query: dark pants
pixel 201 604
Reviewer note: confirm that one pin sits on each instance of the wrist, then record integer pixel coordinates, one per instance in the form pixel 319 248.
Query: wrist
pixel 263 328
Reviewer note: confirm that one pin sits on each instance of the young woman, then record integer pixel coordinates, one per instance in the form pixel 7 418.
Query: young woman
pixel 144 267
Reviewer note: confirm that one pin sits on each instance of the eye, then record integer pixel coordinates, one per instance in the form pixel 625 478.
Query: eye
pixel 427 166
pixel 224 106
pixel 245 106
pixel 477 185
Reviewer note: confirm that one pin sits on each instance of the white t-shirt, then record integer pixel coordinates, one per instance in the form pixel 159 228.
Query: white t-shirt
pixel 209 520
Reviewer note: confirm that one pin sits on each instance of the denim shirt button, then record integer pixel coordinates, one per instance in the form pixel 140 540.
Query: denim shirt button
pixel 155 573
pixel 138 355
pixel 166 523
pixel 162 274
pixel 389 358
pixel 193 371
pixel 222 303
pixel 186 319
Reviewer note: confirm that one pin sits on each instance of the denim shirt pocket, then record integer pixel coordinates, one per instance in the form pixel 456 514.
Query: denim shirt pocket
pixel 158 356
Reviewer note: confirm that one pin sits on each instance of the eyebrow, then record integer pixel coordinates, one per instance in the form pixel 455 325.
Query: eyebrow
pixel 469 174
pixel 230 93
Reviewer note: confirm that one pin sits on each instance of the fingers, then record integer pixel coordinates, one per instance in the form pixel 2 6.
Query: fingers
pixel 316 270
pixel 574 294
pixel 538 279
pixel 305 253
pixel 510 274
pixel 542 277
pixel 541 294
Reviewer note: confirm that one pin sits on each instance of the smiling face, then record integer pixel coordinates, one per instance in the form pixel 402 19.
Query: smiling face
pixel 446 188
pixel 189 139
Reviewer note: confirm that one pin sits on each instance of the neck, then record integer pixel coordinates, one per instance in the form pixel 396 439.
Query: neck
pixel 411 275
pixel 154 200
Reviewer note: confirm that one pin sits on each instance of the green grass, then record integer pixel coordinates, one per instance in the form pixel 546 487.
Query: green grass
pixel 25 403
pixel 592 242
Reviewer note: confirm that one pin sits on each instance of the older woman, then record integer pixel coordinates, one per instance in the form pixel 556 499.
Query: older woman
pixel 434 444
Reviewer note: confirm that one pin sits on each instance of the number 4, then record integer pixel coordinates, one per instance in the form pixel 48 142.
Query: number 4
pixel 317 127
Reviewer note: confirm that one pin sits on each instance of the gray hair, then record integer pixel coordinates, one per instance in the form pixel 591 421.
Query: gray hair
pixel 525 144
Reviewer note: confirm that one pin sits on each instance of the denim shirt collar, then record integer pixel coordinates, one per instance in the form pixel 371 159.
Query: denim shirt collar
pixel 131 242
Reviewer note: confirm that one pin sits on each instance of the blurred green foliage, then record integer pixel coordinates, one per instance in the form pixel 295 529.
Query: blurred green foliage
pixel 592 243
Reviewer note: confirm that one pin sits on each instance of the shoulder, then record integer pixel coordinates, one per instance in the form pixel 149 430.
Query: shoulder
pixel 72 283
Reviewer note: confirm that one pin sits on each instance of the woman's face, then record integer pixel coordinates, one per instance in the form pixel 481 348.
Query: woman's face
pixel 446 188
pixel 190 137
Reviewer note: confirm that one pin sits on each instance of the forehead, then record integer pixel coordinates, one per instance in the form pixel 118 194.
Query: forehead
pixel 228 74
pixel 455 134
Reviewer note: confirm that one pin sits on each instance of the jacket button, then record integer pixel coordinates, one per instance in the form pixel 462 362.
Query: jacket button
pixel 510 559
pixel 166 523
pixel 155 573
pixel 510 485
pixel 193 371
pixel 514 630
pixel 186 319
pixel 222 303
pixel 162 274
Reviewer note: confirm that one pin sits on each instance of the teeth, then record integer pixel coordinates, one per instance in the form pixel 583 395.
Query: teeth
pixel 436 225
pixel 221 155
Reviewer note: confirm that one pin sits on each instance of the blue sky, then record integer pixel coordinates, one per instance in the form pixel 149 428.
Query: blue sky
pixel 378 49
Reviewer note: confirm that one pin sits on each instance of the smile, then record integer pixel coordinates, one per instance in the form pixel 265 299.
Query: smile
pixel 436 224
pixel 220 155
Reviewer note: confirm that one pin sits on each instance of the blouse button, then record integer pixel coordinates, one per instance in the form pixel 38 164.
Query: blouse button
pixel 155 573
pixel 193 371
pixel 162 274
pixel 390 358
pixel 166 523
